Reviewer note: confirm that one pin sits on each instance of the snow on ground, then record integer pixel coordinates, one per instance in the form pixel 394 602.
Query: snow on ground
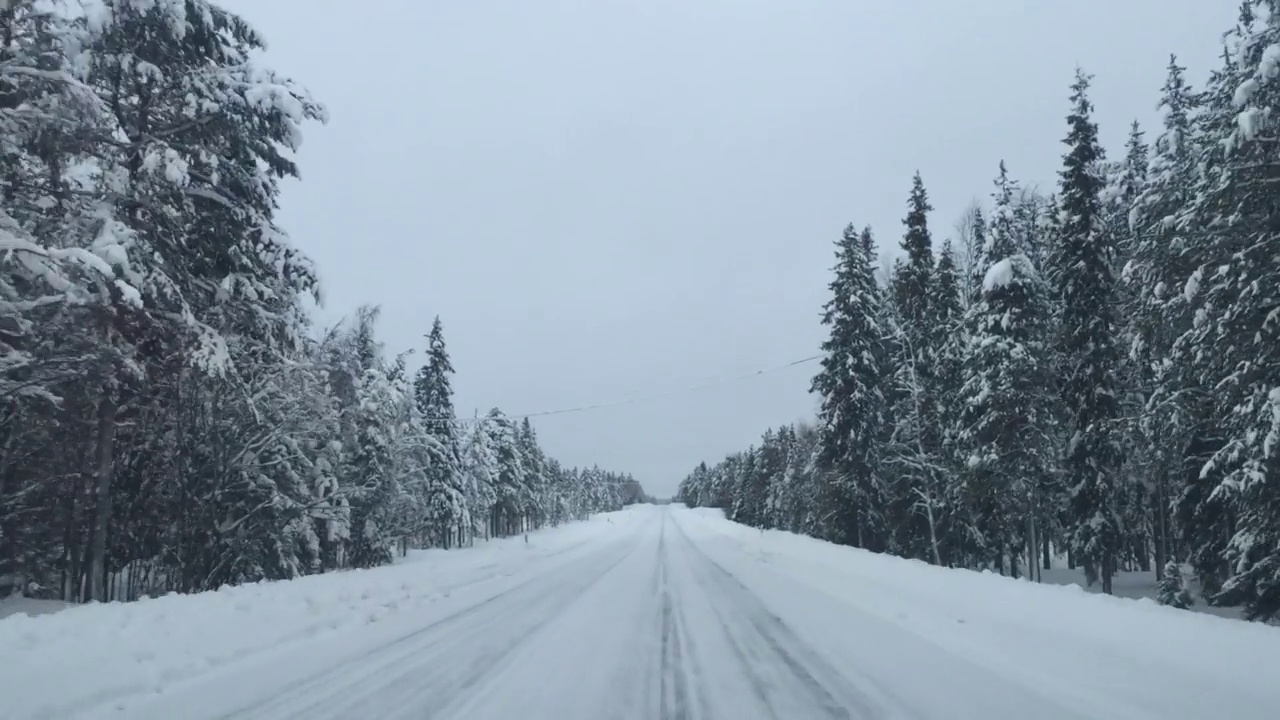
pixel 1064 652
pixel 654 612
pixel 16 604
pixel 54 666
pixel 1136 585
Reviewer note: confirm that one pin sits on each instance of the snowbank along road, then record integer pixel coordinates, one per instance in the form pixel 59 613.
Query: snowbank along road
pixel 649 613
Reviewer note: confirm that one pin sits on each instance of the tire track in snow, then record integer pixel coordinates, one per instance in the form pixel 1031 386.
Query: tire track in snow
pixel 437 679
pixel 426 661
pixel 760 640
pixel 674 681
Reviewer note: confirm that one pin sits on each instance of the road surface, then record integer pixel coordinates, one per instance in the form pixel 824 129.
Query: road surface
pixel 673 614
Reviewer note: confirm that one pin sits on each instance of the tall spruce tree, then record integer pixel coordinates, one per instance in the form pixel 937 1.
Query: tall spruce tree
pixel 1006 404
pixel 946 313
pixel 975 255
pixel 1086 291
pixel 914 448
pixel 852 404
pixel 1163 259
pixel 912 282
pixel 447 514
pixel 1133 501
pixel 1236 336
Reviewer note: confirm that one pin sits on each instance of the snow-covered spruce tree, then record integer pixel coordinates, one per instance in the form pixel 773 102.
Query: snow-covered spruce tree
pixel 945 315
pixel 51 276
pixel 480 466
pixel 1236 333
pixel 947 347
pixel 446 502
pixel 750 488
pixel 915 471
pixel 693 490
pixel 974 235
pixel 913 461
pixel 561 494
pixel 1124 181
pixel 369 471
pixel 771 469
pixel 1162 260
pixel 510 492
pixel 1006 402
pixel 537 501
pixel 1204 517
pixel 787 487
pixel 1171 590
pixel 852 404
pixel 812 477
pixel 196 184
pixel 188 262
pixel 1086 290
pixel 911 286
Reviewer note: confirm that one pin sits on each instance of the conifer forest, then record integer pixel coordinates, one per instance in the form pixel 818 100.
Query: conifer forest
pixel 456 411
pixel 1085 373
pixel 172 419
pixel 1088 373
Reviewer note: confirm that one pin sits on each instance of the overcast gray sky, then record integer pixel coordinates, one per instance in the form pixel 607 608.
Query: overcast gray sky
pixel 607 197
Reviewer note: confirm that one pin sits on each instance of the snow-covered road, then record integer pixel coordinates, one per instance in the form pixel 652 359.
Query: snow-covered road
pixel 649 613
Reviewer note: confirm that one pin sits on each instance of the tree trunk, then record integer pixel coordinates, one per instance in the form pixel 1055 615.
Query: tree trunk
pixel 1032 575
pixel 75 541
pixel 71 543
pixel 1162 527
pixel 1044 542
pixel 102 514
pixel 1108 570
pixel 933 537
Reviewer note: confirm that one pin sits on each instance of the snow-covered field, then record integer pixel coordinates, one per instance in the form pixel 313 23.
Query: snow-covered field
pixel 654 612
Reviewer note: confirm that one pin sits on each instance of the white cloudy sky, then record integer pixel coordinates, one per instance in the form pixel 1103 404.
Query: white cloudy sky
pixel 608 197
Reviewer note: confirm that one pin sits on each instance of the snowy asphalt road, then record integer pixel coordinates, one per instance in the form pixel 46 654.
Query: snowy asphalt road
pixel 641 625
pixel 674 614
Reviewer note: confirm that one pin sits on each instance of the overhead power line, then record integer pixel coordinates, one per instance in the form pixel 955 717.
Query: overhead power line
pixel 632 399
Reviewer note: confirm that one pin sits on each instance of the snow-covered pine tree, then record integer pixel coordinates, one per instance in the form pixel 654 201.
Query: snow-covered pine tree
pixel 749 488
pixel 176 217
pixel 946 313
pixel 370 471
pixel 772 468
pixel 1086 290
pixel 537 501
pixel 1006 402
pixel 811 477
pixel 974 235
pixel 51 276
pixel 480 466
pixel 1204 518
pixel 1236 335
pixel 912 284
pixel 447 511
pixel 1124 186
pixel 1162 261
pixel 788 489
pixel 852 404
pixel 510 492
pixel 913 459
pixel 1171 590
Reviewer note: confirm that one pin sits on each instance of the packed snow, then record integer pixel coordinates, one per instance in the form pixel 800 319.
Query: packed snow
pixel 652 612
pixel 998 275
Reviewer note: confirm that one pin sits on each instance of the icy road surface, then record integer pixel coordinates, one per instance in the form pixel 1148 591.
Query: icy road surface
pixel 648 613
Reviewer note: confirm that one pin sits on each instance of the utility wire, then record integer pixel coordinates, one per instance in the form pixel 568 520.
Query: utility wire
pixel 641 398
